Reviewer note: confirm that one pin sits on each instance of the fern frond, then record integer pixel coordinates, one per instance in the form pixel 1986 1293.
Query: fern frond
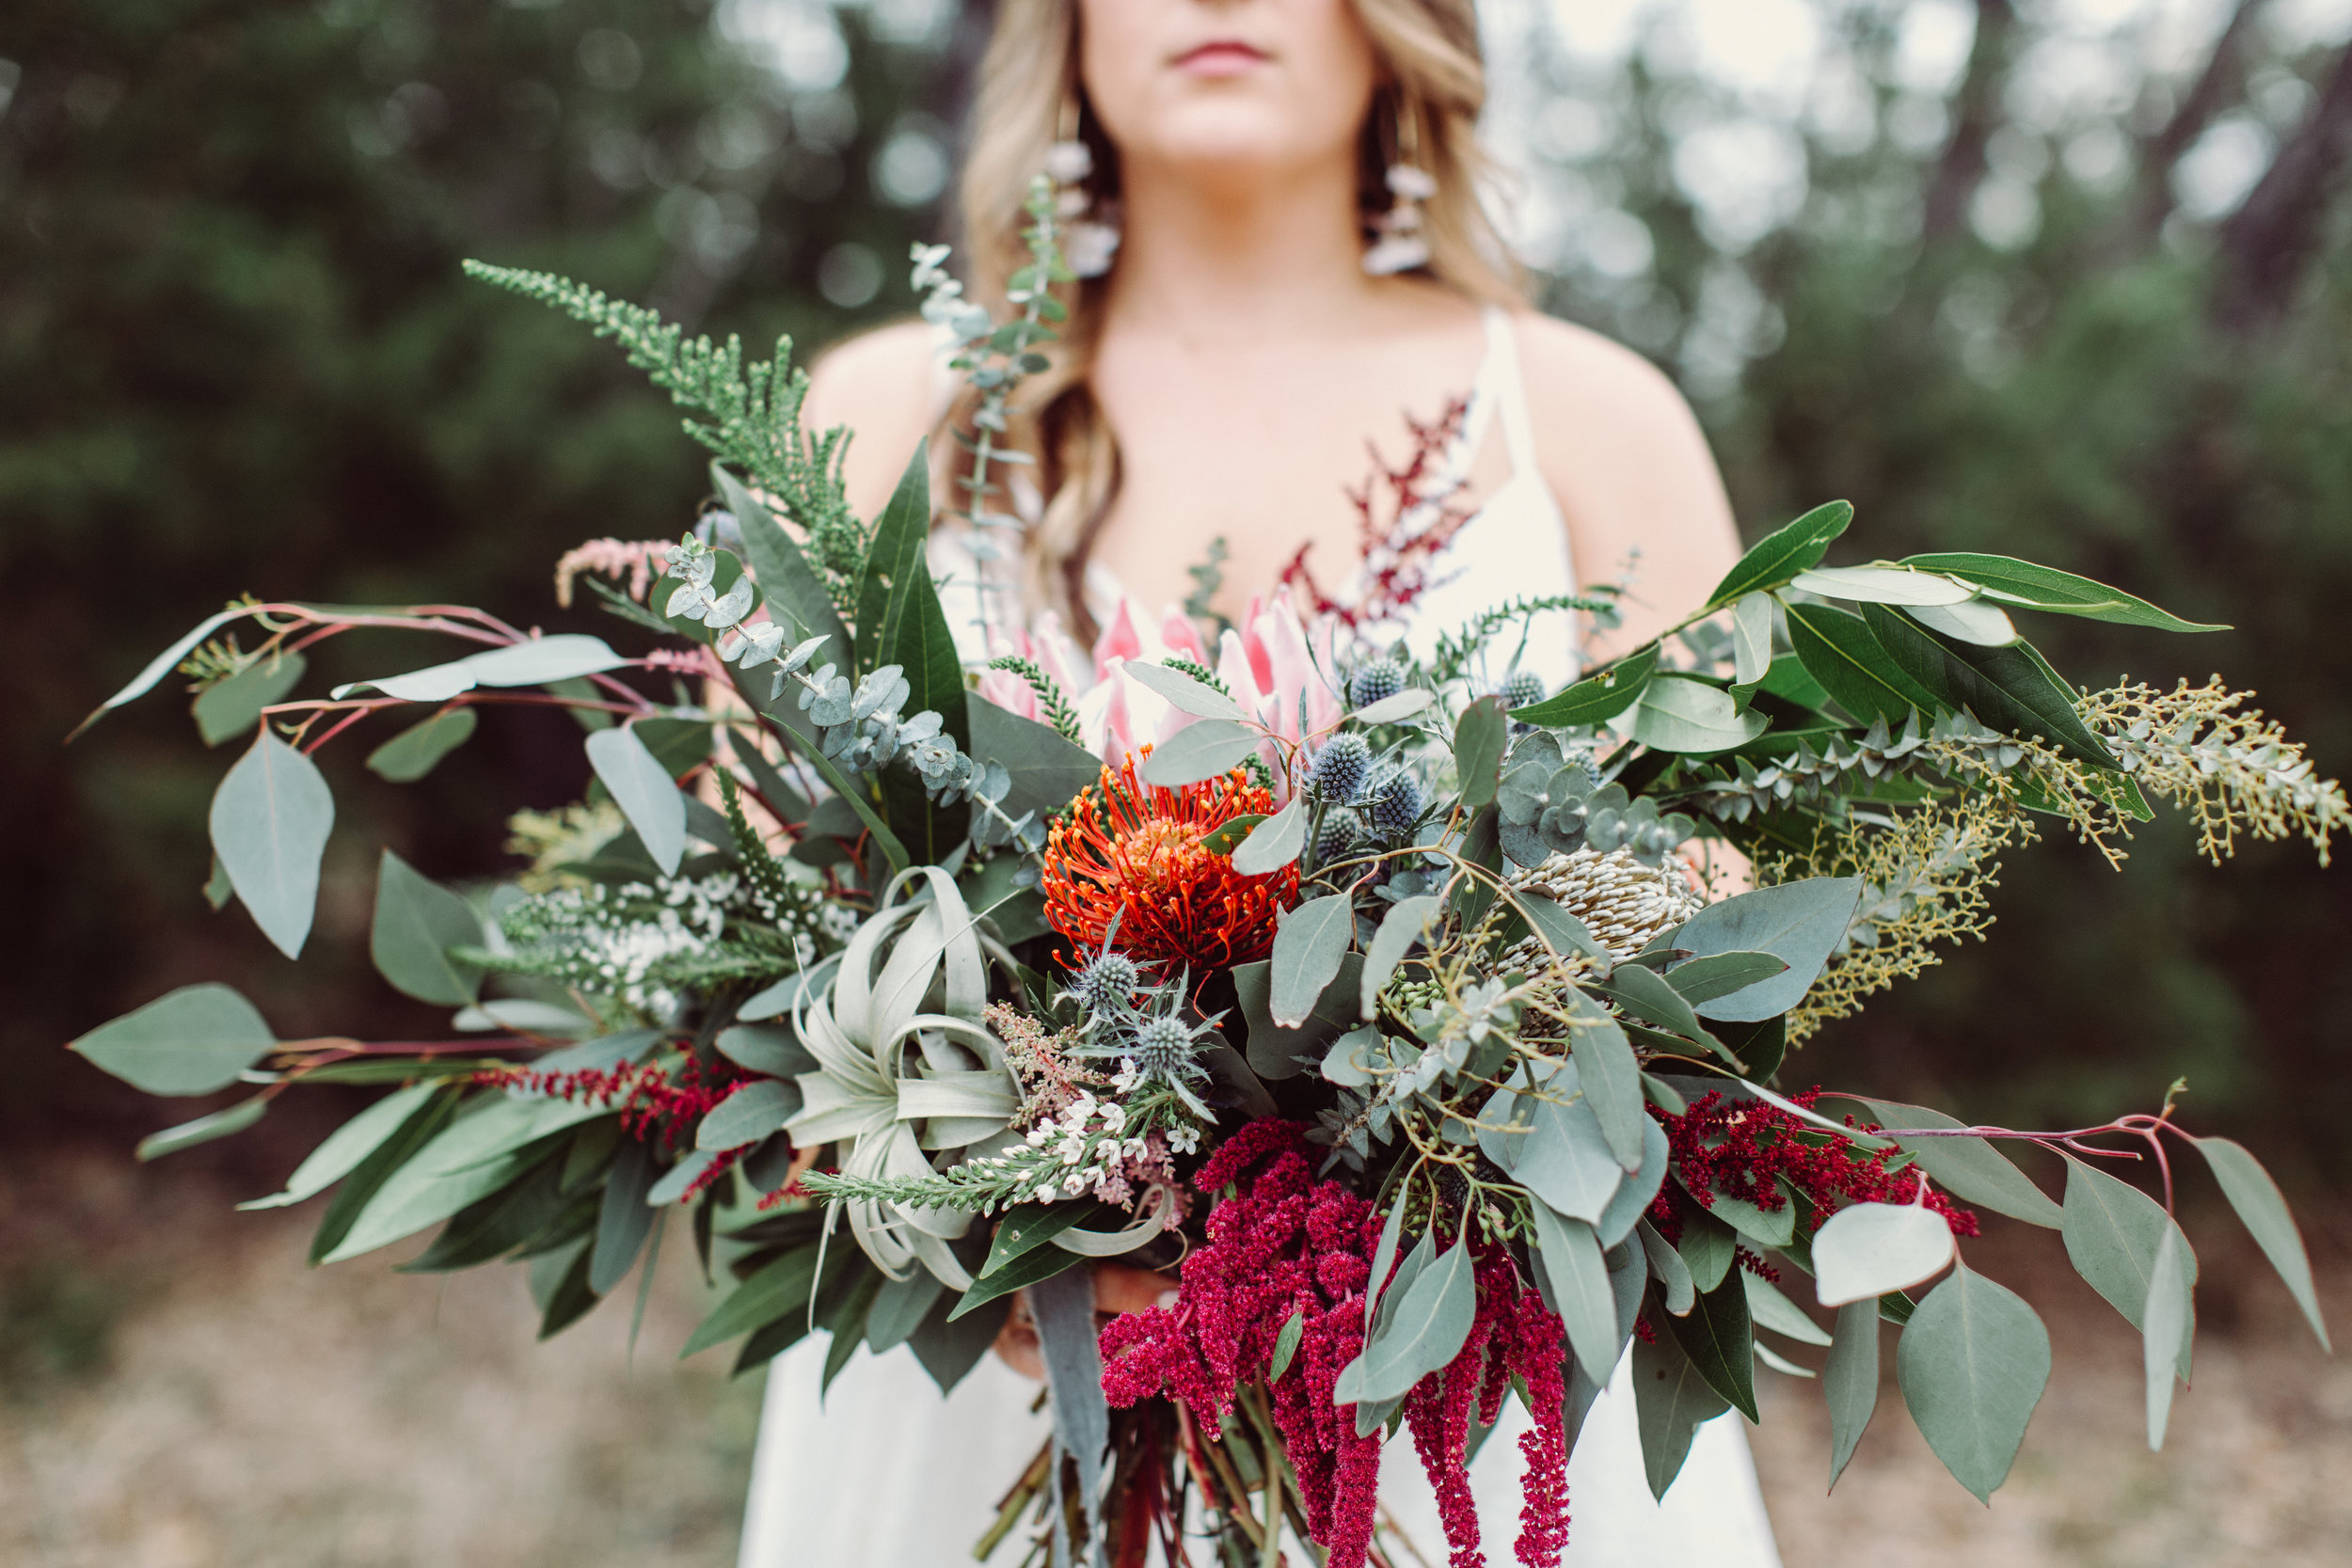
pixel 1057 707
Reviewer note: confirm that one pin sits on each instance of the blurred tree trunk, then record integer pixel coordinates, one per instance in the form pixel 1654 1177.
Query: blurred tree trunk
pixel 2218 86
pixel 2270 241
pixel 1976 114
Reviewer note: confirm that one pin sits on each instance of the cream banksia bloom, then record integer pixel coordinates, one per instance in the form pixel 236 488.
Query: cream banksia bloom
pixel 1621 901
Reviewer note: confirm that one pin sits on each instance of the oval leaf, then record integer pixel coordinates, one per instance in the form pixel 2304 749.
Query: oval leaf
pixel 1973 1362
pixel 228 708
pixel 417 922
pixel 1866 1250
pixel 748 1114
pixel 532 661
pixel 1798 923
pixel 1183 692
pixel 2263 1213
pixel 1972 1168
pixel 1752 638
pixel 415 750
pixel 1431 1321
pixel 1479 738
pixel 192 1041
pixel 1274 843
pixel 1399 929
pixel 1198 751
pixel 1569 1254
pixel 1309 943
pixel 270 820
pixel 647 794
pixel 1388 710
pixel 1679 713
pixel 1986 624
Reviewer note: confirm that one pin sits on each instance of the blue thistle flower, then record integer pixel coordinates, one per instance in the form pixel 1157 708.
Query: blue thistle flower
pixel 1338 834
pixel 1525 688
pixel 1374 682
pixel 1394 802
pixel 1341 768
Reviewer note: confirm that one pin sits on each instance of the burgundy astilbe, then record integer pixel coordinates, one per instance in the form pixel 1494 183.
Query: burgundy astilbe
pixel 1406 517
pixel 653 1101
pixel 1743 1148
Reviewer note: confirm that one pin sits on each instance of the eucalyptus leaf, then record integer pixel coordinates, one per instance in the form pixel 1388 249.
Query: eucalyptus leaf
pixel 623 1217
pixel 1563 1157
pixel 1309 942
pixel 1431 1323
pixel 1182 693
pixel 1274 843
pixel 1479 738
pixel 163 663
pixel 1850 1381
pixel 416 750
pixel 1570 1254
pixel 899 1308
pixel 482 1151
pixel 1720 974
pixel 1977 621
pixel 190 1042
pixel 2263 1213
pixel 1672 1399
pixel 1881 585
pixel 534 661
pixel 1612 1077
pixel 1389 711
pixel 1772 1309
pixel 1866 1250
pixel 270 820
pixel 770 1049
pixel 1681 713
pixel 1198 751
pixel 1973 1362
pixel 343 1149
pixel 1286 1345
pixel 1676 1286
pixel 2113 1231
pixel 1708 1248
pixel 203 1129
pixel 2171 1318
pixel 1970 1168
pixel 1635 1194
pixel 1799 923
pixel 417 923
pixel 228 708
pixel 753 1111
pixel 1399 929
pixel 644 791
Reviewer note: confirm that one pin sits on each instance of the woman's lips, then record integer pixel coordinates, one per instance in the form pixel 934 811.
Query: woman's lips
pixel 1220 57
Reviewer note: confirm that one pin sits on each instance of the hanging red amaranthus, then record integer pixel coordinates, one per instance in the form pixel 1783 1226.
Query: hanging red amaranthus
pixel 653 1101
pixel 1744 1148
pixel 1133 852
pixel 1285 1246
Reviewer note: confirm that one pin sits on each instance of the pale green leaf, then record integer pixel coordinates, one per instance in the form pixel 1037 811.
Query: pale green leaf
pixel 417 922
pixel 1973 1362
pixel 644 791
pixel 270 820
pixel 1849 1381
pixel 1309 942
pixel 1868 1250
pixel 416 750
pixel 192 1041
pixel 2264 1211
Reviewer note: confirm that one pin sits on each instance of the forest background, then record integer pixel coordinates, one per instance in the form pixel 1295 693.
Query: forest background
pixel 2070 279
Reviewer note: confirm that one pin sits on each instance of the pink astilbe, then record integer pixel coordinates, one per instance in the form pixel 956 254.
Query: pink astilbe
pixel 636 558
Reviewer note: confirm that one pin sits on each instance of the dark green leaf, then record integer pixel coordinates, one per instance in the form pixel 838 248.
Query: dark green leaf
pixel 781 1287
pixel 622 1216
pixel 228 708
pixel 1672 1401
pixel 1718 1338
pixel 1030 1227
pixel 360 1186
pixel 192 1041
pixel 417 922
pixel 1973 1362
pixel 795 595
pixel 949 1350
pixel 1036 1264
pixel 1646 995
pixel 1047 771
pixel 1783 553
pixel 1838 651
pixel 2011 689
pixel 899 1308
pixel 750 1114
pixel 1286 1346
pixel 414 751
pixel 1707 1248
pixel 2022 582
pixel 1676 1283
pixel 270 820
pixel 1277 1053
pixel 1719 975
pixel 1596 698
pixel 2263 1213
pixel 572 1299
pixel 489 1227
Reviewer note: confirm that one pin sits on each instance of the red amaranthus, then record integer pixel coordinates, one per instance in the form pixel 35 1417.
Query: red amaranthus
pixel 1133 852
pixel 1284 1244
pixel 1746 1150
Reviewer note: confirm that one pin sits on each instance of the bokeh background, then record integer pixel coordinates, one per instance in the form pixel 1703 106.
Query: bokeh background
pixel 2065 279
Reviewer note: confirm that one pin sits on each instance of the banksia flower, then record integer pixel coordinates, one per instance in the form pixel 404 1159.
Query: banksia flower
pixel 1621 901
pixel 1131 853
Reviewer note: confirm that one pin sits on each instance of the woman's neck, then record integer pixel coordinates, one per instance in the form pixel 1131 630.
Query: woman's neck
pixel 1253 257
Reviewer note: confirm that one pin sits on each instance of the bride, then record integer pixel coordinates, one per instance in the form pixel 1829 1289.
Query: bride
pixel 1276 298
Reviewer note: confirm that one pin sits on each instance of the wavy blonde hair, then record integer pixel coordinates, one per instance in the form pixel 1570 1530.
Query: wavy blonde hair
pixel 1432 84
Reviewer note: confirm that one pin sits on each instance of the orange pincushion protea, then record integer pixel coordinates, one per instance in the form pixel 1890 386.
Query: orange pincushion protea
pixel 1133 851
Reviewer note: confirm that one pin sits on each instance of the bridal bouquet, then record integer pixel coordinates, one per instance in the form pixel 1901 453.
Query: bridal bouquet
pixel 1411 1017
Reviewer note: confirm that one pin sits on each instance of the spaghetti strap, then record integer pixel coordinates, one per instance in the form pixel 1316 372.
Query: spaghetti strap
pixel 1503 384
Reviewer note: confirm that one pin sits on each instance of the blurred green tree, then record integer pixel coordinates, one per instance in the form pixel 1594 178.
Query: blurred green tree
pixel 236 355
pixel 2014 280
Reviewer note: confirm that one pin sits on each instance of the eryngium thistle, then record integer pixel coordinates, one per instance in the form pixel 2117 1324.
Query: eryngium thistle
pixel 1375 682
pixel 1525 688
pixel 1336 836
pixel 1107 982
pixel 1621 901
pixel 1341 767
pixel 1162 1047
pixel 1394 802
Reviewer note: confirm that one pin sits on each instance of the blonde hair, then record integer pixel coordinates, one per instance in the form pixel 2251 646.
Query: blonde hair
pixel 1432 84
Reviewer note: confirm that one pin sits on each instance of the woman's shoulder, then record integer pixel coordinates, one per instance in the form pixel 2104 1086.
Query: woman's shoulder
pixel 1572 370
pixel 886 385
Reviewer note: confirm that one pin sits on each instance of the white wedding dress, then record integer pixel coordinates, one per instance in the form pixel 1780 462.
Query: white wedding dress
pixel 883 1472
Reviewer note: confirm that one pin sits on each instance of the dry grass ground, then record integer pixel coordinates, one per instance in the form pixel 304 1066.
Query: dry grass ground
pixel 180 1392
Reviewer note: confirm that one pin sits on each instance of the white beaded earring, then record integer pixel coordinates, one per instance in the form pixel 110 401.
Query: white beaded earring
pixel 1399 243
pixel 1089 238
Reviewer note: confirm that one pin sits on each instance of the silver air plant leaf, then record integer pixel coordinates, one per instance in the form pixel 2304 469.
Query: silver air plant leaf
pixel 900 1084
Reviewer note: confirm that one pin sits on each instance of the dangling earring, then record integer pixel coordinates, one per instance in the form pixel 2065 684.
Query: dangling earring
pixel 1089 238
pixel 1399 243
